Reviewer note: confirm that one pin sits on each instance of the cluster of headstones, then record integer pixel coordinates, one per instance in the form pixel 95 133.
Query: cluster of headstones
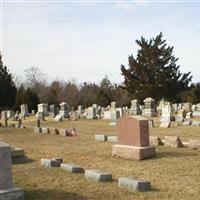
pixel 4 118
pixel 98 175
pixel 56 131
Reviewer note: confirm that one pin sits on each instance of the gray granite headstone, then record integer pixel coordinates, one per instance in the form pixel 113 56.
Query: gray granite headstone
pixel 7 189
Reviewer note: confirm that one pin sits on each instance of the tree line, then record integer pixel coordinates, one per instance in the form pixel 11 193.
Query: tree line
pixel 153 72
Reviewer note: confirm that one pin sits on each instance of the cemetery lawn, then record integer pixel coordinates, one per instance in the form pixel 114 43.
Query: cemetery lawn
pixel 174 173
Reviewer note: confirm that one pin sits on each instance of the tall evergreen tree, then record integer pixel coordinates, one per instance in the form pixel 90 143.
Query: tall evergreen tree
pixel 7 87
pixel 154 72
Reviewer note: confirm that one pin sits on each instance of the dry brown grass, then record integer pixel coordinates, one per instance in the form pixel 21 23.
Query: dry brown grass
pixel 174 173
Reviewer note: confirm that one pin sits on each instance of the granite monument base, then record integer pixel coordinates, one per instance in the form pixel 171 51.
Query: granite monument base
pixel 12 193
pixel 133 152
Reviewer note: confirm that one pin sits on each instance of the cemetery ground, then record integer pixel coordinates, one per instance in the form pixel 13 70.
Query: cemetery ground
pixel 173 173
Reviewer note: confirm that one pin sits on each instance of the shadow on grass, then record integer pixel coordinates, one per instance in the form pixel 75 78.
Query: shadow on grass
pixel 40 194
pixel 173 154
pixel 21 160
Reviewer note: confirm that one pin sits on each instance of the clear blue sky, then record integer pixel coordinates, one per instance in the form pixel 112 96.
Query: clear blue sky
pixel 87 40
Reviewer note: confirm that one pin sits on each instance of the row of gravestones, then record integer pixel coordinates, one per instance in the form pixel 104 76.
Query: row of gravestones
pixel 171 141
pixel 98 175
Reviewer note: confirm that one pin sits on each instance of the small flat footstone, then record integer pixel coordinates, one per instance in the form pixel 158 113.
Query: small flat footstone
pixel 195 123
pixel 50 163
pixel 112 139
pixel 37 129
pixel 72 168
pixel 45 130
pixel 101 138
pixel 134 184
pixel 194 144
pixel 173 141
pixel 98 176
pixel 155 141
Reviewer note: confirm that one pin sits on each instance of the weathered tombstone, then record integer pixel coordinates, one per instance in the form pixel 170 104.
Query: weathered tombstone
pixel 24 110
pixel 7 190
pixel 175 107
pixel 120 110
pixel 161 104
pixel 53 110
pixel 107 115
pixel 135 107
pixel 91 113
pixel 41 116
pixel 149 108
pixel 115 114
pixel 180 115
pixel 187 106
pixel 64 110
pixel 166 115
pixel 4 117
pixel 10 114
pixel 33 112
pixel 113 105
pixel 80 109
pixel 43 109
pixel 58 118
pixel 133 138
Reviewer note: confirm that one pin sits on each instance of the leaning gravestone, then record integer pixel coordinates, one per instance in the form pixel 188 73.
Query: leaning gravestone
pixel 7 189
pixel 133 139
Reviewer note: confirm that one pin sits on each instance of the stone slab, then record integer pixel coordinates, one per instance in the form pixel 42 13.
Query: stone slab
pixel 45 130
pixel 155 141
pixel 112 123
pixel 101 138
pixel 134 184
pixel 13 193
pixel 195 123
pixel 173 141
pixel 54 131
pixel 194 144
pixel 98 176
pixel 133 152
pixel 37 129
pixel 112 139
pixel 50 163
pixel 63 132
pixel 72 168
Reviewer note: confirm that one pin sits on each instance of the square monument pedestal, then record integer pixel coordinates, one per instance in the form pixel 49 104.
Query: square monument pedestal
pixel 133 152
pixel 13 193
